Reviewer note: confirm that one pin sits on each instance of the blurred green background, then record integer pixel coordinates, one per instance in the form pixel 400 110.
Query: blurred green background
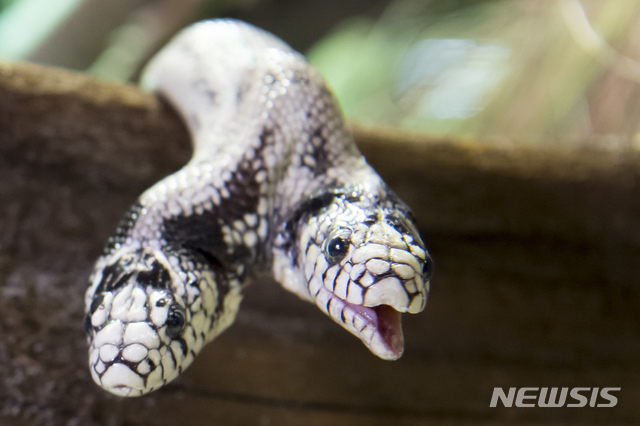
pixel 529 71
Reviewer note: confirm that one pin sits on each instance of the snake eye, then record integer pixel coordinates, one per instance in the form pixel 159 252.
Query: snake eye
pixel 337 249
pixel 175 323
pixel 427 268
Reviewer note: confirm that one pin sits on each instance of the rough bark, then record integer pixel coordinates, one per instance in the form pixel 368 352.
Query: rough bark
pixel 536 279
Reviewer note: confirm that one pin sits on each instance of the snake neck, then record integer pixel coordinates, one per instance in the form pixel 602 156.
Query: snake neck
pixel 267 133
pixel 275 181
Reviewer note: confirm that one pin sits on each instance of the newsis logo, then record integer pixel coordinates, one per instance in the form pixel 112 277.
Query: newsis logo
pixel 554 397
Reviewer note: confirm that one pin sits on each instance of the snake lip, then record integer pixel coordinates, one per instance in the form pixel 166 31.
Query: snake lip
pixel 387 341
pixel 390 328
pixel 121 390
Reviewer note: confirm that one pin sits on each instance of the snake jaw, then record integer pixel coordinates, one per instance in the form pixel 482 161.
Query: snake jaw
pixel 390 329
pixel 387 341
pixel 378 327
pixel 122 390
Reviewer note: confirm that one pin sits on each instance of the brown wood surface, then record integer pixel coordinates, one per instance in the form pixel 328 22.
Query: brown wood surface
pixel 537 277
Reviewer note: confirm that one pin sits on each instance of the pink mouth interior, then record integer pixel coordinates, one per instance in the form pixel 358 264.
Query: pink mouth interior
pixel 390 327
pixel 387 321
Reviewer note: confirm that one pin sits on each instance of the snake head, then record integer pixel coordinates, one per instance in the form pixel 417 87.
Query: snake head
pixel 138 328
pixel 363 264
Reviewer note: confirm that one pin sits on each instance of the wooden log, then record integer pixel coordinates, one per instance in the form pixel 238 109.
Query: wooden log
pixel 536 281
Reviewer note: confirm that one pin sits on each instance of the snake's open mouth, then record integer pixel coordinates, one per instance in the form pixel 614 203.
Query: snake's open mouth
pixel 379 328
pixel 390 327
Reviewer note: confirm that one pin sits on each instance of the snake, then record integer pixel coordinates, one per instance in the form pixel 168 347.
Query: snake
pixel 275 184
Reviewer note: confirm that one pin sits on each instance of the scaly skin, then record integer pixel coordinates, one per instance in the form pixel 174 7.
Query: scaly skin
pixel 275 183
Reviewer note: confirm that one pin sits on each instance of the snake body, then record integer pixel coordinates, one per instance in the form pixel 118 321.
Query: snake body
pixel 275 183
